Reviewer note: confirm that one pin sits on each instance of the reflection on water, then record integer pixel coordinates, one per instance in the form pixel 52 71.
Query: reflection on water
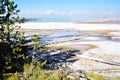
pixel 60 34
pixel 67 35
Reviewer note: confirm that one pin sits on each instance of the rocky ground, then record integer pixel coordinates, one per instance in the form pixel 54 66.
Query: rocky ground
pixel 96 50
pixel 96 53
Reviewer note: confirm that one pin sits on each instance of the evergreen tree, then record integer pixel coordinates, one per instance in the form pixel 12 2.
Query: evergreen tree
pixel 11 39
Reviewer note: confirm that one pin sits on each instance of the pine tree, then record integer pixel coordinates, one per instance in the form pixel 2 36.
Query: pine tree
pixel 11 39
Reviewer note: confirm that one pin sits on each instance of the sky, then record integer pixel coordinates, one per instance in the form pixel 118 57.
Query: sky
pixel 69 10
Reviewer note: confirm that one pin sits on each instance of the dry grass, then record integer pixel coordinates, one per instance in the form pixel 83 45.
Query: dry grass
pixel 32 72
pixel 96 76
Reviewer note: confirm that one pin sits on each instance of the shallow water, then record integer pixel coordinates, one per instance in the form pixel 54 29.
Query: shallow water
pixel 60 34
pixel 70 35
pixel 67 35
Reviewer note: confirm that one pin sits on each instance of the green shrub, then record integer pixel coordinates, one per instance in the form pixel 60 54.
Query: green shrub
pixel 11 40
